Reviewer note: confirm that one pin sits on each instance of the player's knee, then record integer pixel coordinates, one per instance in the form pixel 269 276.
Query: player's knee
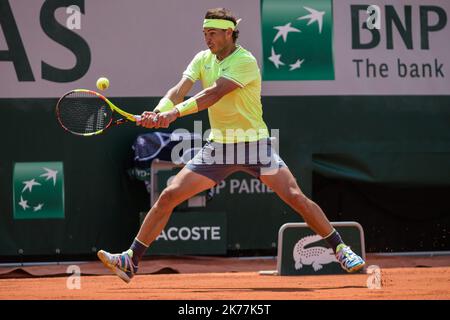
pixel 167 199
pixel 297 199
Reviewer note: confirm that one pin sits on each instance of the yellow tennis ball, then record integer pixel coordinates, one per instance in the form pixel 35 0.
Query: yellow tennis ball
pixel 102 83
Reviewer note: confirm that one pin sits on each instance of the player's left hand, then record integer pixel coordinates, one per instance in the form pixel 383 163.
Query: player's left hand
pixel 147 119
pixel 164 119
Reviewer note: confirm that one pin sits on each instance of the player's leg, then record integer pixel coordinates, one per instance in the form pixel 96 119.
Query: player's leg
pixel 184 185
pixel 284 184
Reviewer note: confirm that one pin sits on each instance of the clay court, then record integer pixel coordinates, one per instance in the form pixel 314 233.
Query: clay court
pixel 201 278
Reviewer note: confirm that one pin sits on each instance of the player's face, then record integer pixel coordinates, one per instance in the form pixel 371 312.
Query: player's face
pixel 216 39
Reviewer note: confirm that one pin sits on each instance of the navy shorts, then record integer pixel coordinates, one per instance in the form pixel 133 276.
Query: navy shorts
pixel 217 161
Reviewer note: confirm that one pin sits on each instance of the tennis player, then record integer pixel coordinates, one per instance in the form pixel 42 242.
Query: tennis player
pixel 232 94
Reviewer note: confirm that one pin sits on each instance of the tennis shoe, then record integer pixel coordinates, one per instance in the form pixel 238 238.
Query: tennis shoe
pixel 120 263
pixel 349 260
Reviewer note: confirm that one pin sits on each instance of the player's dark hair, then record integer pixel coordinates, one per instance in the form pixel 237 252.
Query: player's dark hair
pixel 222 13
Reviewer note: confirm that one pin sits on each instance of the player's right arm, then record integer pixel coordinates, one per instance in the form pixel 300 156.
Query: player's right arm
pixel 173 96
pixel 176 94
pixel 179 91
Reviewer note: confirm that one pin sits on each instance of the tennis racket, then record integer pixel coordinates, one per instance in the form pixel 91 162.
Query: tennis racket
pixel 87 113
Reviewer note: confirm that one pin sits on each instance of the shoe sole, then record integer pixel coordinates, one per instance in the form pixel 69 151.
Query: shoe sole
pixel 122 275
pixel 357 268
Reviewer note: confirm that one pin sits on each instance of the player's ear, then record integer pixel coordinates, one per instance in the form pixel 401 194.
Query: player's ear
pixel 229 33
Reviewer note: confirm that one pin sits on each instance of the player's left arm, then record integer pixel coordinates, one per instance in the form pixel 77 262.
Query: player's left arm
pixel 213 94
pixel 203 100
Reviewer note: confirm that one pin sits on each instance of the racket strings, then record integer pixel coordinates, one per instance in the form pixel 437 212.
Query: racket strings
pixel 84 113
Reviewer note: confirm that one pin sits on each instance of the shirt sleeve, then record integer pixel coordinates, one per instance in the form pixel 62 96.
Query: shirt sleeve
pixel 193 69
pixel 242 72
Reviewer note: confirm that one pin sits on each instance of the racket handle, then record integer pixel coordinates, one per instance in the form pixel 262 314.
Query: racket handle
pixel 138 118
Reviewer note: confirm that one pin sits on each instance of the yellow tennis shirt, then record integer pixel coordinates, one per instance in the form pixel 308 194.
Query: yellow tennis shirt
pixel 237 117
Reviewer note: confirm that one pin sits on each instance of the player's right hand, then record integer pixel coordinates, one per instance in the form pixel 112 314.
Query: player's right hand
pixel 148 119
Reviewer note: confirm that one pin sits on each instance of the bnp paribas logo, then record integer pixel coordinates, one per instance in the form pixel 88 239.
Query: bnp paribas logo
pixel 297 39
pixel 38 190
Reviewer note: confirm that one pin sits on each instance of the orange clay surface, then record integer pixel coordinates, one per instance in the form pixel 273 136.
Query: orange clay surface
pixel 413 279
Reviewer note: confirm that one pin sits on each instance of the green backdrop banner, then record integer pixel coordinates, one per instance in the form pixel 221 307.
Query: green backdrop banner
pixel 38 190
pixel 349 137
pixel 195 233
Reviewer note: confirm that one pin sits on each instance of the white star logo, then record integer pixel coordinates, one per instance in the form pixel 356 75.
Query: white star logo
pixel 284 30
pixel 38 207
pixel 275 58
pixel 296 65
pixel 50 174
pixel 23 203
pixel 30 184
pixel 313 16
